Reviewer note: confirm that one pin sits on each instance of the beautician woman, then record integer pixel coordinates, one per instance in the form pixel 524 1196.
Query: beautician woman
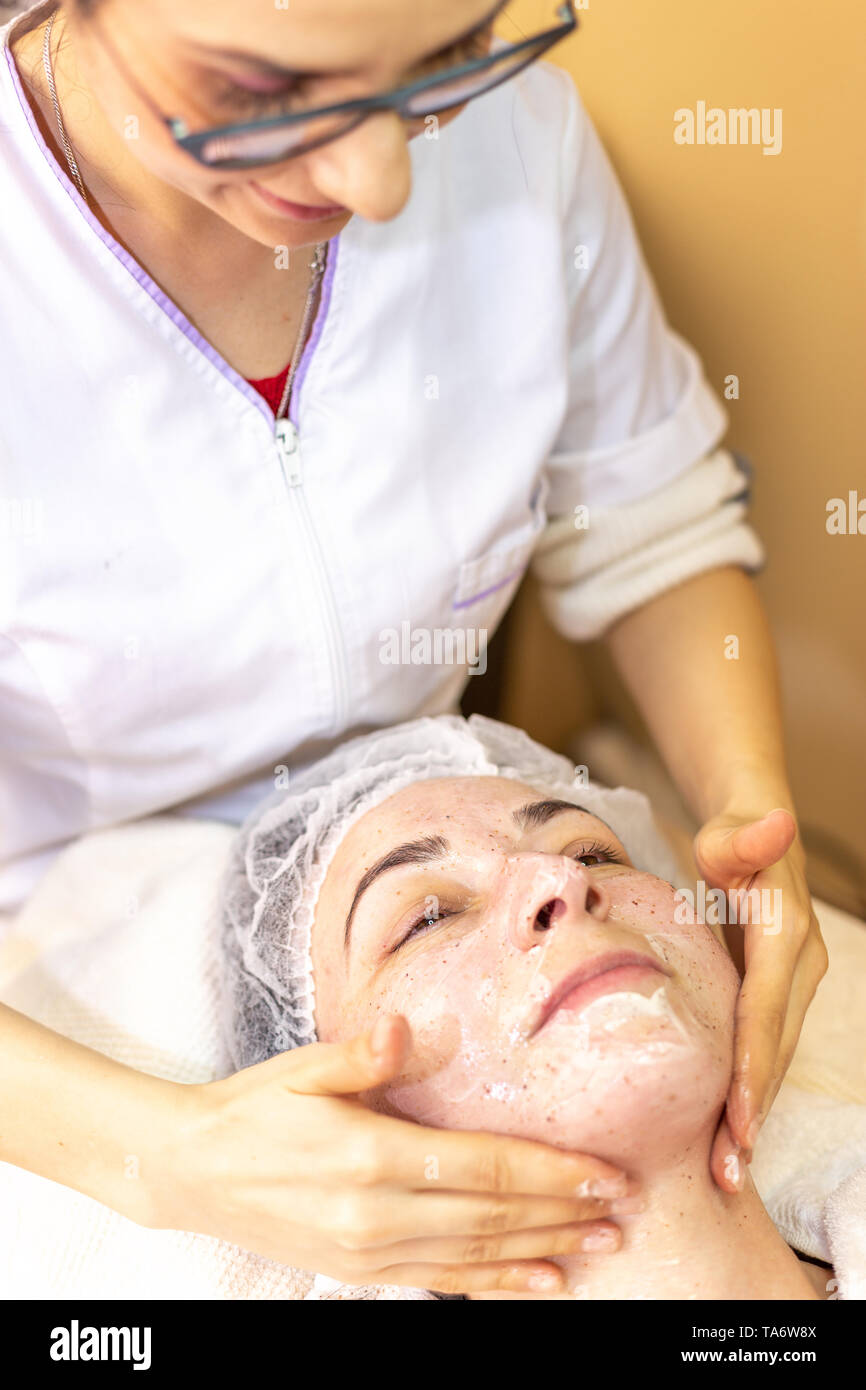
pixel 318 320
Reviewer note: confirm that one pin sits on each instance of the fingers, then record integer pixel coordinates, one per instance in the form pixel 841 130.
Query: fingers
pixel 778 988
pixel 466 1265
pixel 810 967
pixel 539 1278
pixel 727 1160
pixel 758 1022
pixel 428 1219
pixel 537 1243
pixel 424 1159
pixel 332 1069
pixel 737 852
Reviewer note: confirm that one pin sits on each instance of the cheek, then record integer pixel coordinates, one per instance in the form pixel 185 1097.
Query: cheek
pixel 705 976
pixel 463 1065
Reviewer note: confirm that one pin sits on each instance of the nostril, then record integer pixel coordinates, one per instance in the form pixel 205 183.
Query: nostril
pixel 546 914
pixel 594 901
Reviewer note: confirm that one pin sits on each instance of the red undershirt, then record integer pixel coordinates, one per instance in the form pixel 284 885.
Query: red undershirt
pixel 272 387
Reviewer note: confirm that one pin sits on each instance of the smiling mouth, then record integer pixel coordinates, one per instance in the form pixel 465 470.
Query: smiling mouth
pixel 301 211
pixel 613 971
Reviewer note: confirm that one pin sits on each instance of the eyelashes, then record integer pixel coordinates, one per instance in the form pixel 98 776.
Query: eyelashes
pixel 231 96
pixel 476 46
pixel 605 853
pixel 243 101
pixel 426 921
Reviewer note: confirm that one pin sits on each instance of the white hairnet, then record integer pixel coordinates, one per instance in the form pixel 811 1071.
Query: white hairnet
pixel 284 848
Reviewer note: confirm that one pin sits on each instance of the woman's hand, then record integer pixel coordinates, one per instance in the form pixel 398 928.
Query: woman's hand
pixel 785 959
pixel 283 1159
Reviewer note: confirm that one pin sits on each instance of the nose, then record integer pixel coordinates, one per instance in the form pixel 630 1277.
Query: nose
pixel 540 889
pixel 368 170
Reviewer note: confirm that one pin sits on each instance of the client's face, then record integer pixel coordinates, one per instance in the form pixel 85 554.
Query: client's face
pixel 550 992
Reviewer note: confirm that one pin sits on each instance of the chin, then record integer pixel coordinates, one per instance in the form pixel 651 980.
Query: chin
pixel 642 1111
pixel 642 1094
pixel 634 1079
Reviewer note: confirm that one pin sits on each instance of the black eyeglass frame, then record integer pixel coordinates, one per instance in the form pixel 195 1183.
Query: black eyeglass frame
pixel 362 107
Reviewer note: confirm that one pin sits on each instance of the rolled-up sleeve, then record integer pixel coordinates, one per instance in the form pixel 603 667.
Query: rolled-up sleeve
pixel 640 496
pixel 594 569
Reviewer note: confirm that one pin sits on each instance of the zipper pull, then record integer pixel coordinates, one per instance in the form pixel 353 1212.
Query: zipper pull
pixel 289 446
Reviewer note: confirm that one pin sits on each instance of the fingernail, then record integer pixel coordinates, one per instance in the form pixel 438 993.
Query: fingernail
pixel 735 1169
pixel 752 1133
pixel 600 1240
pixel 627 1206
pixel 603 1188
pixel 544 1283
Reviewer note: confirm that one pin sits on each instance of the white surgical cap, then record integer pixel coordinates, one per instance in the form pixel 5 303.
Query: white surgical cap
pixel 283 850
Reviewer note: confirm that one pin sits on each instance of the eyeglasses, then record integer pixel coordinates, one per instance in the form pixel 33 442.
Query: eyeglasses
pixel 274 140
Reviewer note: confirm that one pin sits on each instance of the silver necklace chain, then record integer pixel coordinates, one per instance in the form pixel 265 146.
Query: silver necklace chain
pixel 317 264
pixel 49 74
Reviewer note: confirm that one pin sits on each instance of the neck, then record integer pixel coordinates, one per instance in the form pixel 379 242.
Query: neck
pixel 692 1241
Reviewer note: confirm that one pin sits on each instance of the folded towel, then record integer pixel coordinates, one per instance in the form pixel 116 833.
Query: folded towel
pixel 809 1166
pixel 845 1224
pixel 114 949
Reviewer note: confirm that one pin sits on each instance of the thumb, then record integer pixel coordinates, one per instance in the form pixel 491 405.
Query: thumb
pixel 727 853
pixel 341 1069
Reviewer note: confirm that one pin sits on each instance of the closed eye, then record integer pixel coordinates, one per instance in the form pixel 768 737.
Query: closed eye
pixel 424 923
pixel 434 914
pixel 242 100
pixel 227 94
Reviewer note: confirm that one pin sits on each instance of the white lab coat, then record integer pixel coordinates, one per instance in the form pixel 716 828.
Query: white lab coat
pixel 186 607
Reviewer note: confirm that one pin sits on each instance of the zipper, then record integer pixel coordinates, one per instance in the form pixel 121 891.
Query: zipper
pixel 288 444
pixel 288 449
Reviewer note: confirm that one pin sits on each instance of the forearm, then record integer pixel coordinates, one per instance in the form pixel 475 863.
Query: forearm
pixel 700 663
pixel 81 1119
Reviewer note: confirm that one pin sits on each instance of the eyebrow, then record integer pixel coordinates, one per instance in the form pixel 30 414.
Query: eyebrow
pixel 266 65
pixel 414 852
pixel 536 813
pixel 433 847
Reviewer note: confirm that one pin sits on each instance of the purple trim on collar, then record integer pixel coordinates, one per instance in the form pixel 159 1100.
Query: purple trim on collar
pixel 464 603
pixel 140 275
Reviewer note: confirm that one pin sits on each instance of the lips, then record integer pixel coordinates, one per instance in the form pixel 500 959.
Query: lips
pixel 303 212
pixel 624 963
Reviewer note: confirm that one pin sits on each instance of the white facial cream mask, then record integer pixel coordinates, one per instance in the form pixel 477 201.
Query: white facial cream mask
pixel 628 1015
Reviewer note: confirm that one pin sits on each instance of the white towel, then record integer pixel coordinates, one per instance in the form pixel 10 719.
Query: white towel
pixel 810 1168
pixel 810 1159
pixel 115 950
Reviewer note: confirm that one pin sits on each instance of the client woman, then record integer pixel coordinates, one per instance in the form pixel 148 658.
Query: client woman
pixel 452 877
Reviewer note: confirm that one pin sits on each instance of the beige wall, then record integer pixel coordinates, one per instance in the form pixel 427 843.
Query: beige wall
pixel 761 263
